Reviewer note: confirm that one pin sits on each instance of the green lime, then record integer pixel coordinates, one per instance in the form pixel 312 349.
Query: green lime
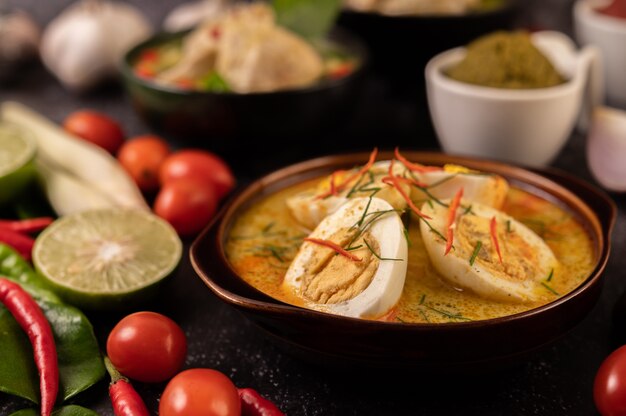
pixel 17 154
pixel 107 259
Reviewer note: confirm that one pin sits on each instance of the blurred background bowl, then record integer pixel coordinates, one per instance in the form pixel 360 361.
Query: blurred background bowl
pixel 401 45
pixel 609 34
pixel 525 126
pixel 216 118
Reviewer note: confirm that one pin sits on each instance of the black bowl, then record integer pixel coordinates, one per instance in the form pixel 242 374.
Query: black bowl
pixel 401 45
pixel 216 118
pixel 447 347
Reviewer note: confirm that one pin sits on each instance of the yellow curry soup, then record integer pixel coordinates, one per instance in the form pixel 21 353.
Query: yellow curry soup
pixel 265 238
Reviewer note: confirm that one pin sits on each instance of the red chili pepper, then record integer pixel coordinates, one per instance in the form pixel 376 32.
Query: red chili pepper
pixel 23 244
pixel 30 225
pixel 253 404
pixel 32 320
pixel 333 246
pixel 125 400
pixel 341 71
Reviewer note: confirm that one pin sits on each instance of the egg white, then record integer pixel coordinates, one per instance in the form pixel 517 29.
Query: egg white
pixel 386 286
pixel 486 189
pixel 527 260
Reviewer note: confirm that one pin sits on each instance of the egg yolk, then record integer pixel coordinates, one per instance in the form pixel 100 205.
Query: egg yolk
pixel 333 278
pixel 519 259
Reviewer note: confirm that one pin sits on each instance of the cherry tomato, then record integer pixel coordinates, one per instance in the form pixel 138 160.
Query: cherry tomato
pixel 97 128
pixel 200 392
pixel 199 164
pixel 147 347
pixel 142 157
pixel 188 204
pixel 609 388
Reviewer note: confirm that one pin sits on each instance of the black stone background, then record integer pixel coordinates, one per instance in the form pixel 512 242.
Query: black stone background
pixel 554 381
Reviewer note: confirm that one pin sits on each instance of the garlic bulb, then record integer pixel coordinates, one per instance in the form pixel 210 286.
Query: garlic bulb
pixel 606 148
pixel 188 15
pixel 85 43
pixel 19 40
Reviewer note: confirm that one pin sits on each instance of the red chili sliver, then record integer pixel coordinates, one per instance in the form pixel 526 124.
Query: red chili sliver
pixel 454 205
pixel 333 246
pixel 415 167
pixel 395 182
pixel 494 236
pixel 340 187
pixel 253 404
pixel 32 320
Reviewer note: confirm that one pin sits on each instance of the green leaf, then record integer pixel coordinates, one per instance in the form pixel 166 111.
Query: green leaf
pixel 18 374
pixel 80 363
pixel 71 410
pixel 309 18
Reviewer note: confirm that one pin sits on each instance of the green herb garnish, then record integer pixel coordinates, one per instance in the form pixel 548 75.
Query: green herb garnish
pixel 475 253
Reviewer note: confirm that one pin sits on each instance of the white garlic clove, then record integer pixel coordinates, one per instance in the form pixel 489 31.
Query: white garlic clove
pixel 84 44
pixel 606 148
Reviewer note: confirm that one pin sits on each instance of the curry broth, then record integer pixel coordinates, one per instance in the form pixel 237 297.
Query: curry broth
pixel 265 238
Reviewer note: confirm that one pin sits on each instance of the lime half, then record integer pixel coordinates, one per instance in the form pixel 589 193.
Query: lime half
pixel 107 259
pixel 17 154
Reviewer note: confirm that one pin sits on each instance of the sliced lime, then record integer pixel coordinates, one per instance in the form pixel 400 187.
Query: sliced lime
pixel 17 153
pixel 107 259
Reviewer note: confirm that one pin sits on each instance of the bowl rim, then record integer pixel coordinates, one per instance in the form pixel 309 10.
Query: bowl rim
pixel 220 224
pixel 508 6
pixel 586 13
pixel 338 35
pixel 434 75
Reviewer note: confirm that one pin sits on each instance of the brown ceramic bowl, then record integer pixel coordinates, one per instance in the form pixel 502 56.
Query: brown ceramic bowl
pixel 437 347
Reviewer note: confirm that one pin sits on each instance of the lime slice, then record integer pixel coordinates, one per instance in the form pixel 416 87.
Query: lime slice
pixel 107 259
pixel 17 154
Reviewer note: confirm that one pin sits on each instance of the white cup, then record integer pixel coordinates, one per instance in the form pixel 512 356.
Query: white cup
pixel 609 35
pixel 527 126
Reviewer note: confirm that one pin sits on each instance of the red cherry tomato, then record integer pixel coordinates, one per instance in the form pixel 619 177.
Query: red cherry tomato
pixel 142 157
pixel 97 128
pixel 147 347
pixel 609 388
pixel 199 164
pixel 188 204
pixel 200 392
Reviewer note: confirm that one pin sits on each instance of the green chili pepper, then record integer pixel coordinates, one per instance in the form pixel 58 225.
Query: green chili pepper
pixel 80 363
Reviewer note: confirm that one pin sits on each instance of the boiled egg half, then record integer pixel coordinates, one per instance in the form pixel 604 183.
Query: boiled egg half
pixel 484 188
pixel 514 274
pixel 311 206
pixel 367 280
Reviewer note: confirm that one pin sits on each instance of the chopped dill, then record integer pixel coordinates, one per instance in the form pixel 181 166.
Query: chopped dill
pixel 447 314
pixel 551 275
pixel 353 248
pixel 268 227
pixel 549 288
pixel 377 255
pixel 406 237
pixel 472 259
pixel 400 319
pixel 508 226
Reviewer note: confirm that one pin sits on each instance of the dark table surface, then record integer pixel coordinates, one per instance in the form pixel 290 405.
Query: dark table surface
pixel 556 380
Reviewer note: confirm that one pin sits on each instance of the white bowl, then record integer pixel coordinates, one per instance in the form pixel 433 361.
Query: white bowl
pixel 529 126
pixel 609 35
